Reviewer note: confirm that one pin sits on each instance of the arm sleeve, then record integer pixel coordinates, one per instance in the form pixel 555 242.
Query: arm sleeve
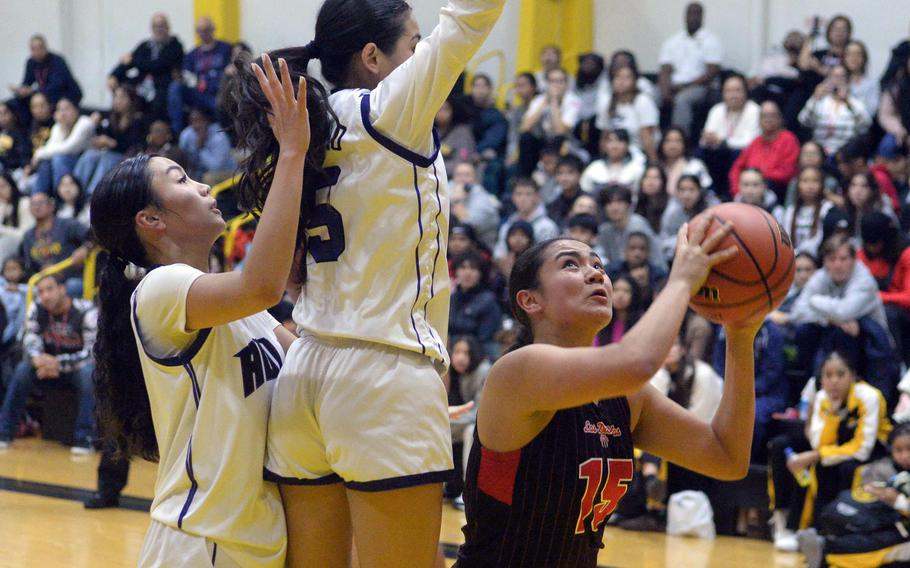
pixel 159 307
pixel 648 115
pixel 802 310
pixel 859 447
pixel 494 136
pixel 807 115
pixel 75 143
pixel 404 104
pixel 69 362
pixel 714 51
pixel 28 78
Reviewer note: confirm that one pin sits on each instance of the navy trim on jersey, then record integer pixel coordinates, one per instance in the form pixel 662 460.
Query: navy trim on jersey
pixel 177 360
pixel 423 348
pixel 435 258
pixel 193 485
pixel 393 146
pixel 275 478
pixel 214 552
pixel 197 392
pixel 402 482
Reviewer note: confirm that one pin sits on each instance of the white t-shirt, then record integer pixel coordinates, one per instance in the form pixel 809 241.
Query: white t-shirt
pixel 804 240
pixel 642 113
pixel 690 55
pixel 210 392
pixel 601 172
pixel 738 130
pixel 569 111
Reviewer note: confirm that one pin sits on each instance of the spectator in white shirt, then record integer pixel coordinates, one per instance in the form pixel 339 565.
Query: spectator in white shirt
pixel 833 114
pixel 862 86
pixel 625 58
pixel 550 58
pixel 550 116
pixel 530 209
pixel 70 136
pixel 624 106
pixel 689 62
pixel 618 163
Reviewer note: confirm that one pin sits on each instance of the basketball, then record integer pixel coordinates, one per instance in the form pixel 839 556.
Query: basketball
pixel 756 280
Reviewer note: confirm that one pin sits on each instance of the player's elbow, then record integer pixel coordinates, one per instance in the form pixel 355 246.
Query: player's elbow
pixel 266 294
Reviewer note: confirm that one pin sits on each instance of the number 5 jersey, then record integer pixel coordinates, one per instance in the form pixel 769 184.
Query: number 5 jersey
pixel 546 503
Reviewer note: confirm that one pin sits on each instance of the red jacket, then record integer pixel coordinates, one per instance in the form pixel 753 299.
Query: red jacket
pixel 898 292
pixel 777 160
pixel 886 184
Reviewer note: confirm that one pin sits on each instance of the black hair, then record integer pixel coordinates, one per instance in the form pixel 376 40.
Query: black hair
pixel 682 133
pixel 14 196
pixel 752 170
pixel 483 77
pixel 853 149
pixel 476 260
pixel 817 206
pixel 476 354
pixel 79 203
pixel 738 76
pixel 835 242
pixel 343 28
pixel 572 161
pixel 525 181
pixel 18 260
pixel 652 207
pixel 585 79
pixel 583 221
pixel 702 202
pixel 123 408
pixel 530 77
pixel 639 235
pixel 525 275
pixel 854 213
pixel 631 62
pixel 850 360
pixel 877 227
pixel 614 192
pixel 634 312
pixel 901 429
pixel 808 255
pixel 614 99
pixel 842 18
pixel 57 277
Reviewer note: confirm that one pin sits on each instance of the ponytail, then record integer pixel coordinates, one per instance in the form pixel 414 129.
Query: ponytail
pixel 525 337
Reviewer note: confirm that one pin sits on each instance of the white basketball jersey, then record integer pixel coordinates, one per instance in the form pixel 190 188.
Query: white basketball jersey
pixel 376 263
pixel 210 393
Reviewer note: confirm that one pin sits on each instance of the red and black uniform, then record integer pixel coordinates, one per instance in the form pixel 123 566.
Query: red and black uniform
pixel 546 503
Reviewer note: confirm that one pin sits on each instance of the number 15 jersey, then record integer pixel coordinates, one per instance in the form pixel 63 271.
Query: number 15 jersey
pixel 546 504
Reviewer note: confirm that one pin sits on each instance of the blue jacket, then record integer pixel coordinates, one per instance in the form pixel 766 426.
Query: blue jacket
pixel 53 78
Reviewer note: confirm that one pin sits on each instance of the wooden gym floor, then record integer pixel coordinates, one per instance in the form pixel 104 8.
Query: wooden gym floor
pixel 43 523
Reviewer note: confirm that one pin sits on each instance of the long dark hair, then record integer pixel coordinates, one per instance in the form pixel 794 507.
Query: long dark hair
pixel 476 354
pixel 12 220
pixel 874 203
pixel 633 313
pixel 122 403
pixel 79 202
pixel 652 208
pixel 343 28
pixel 817 207
pixel 525 275
pixel 682 380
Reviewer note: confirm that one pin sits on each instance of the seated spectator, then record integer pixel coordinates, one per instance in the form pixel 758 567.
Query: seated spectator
pixel 568 178
pixel 814 66
pixel 151 67
pixel 71 200
pixel 652 196
pixel 752 190
pixel 120 134
pixel 583 227
pixel 15 149
pixel 474 309
pixel 865 198
pixel 69 137
pixel 853 158
pixel 770 382
pixel 46 73
pixel 616 202
pixel 160 141
pixel 811 154
pixel 622 105
pixel 628 306
pixel 636 262
pixel 550 59
pixel 52 240
pixel 13 291
pixel 894 109
pixel 518 238
pixel 691 199
pixel 689 63
pixel 60 334
pixel 530 209
pixel 207 149
pixel 863 87
pixel 775 76
pixel 732 125
pixel 625 58
pixel 551 117
pixel 463 238
pixel 471 203
pixel 584 204
pixel 545 174
pixel 803 219
pixel 590 80
pixel 490 129
pixel 886 253
pixel 42 122
pixel 203 69
pixel 847 427
pixel 617 164
pixel 467 375
pixel 456 140
pixel 900 53
pixel 525 89
pixel 833 114
pixel 14 213
pixel 775 153
pixel 675 159
pixel 804 266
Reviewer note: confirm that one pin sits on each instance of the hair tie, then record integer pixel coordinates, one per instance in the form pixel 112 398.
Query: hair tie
pixel 313 49
pixel 118 262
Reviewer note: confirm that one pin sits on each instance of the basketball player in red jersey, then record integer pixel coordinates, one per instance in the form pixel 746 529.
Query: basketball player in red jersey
pixel 553 446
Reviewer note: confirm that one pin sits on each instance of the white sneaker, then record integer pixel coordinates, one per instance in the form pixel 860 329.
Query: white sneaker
pixel 786 541
pixel 82 450
pixel 5 444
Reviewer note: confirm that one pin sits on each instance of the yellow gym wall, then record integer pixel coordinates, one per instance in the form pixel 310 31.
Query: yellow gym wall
pixel 566 23
pixel 224 13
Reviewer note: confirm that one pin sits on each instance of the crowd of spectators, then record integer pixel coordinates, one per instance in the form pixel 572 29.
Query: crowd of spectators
pixel 612 156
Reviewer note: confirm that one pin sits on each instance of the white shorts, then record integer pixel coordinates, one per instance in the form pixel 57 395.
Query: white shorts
pixel 167 547
pixel 371 416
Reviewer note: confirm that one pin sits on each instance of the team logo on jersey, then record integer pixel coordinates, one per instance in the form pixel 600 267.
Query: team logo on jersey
pixel 603 431
pixel 260 362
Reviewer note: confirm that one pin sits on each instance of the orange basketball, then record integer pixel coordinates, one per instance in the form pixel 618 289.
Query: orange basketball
pixel 756 280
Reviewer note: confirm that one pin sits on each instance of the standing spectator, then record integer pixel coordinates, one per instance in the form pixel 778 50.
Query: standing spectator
pixel 52 240
pixel 618 163
pixel 652 196
pixel 616 202
pixel 530 209
pixel 70 136
pixel 885 252
pixel 862 86
pixel 624 106
pixel 471 203
pixel 803 219
pixel 151 66
pixel 731 126
pixel 15 149
pixel 833 114
pixel 46 73
pixel 894 111
pixel 203 69
pixel 207 149
pixel 60 334
pixel 676 160
pixel 568 178
pixel 474 309
pixel 689 63
pixel 774 153
pixel 525 89
pixel 456 139
pixel 551 117
pixel 120 134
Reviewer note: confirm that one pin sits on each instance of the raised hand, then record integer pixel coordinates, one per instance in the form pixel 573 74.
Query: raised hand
pixel 289 118
pixel 696 256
